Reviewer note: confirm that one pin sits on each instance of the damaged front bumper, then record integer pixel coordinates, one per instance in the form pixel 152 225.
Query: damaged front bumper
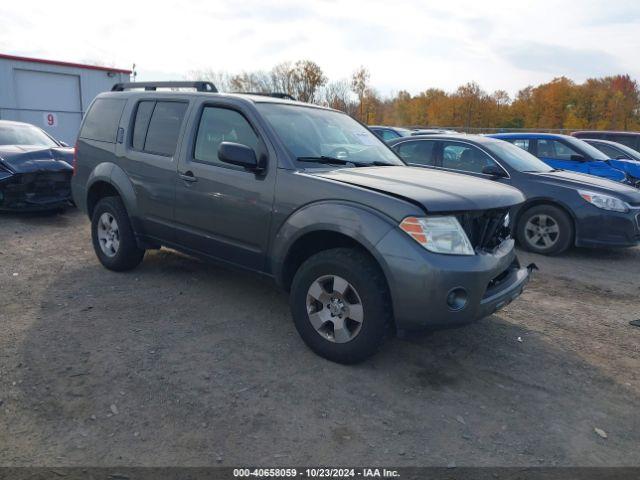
pixel 35 191
pixel 506 288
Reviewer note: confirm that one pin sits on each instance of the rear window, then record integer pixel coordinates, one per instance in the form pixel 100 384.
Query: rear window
pixel 163 127
pixel 102 120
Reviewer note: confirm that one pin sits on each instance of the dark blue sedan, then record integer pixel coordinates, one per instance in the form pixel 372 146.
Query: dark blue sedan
pixel 569 153
pixel 561 209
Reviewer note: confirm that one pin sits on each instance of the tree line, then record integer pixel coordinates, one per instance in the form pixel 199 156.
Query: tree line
pixel 599 103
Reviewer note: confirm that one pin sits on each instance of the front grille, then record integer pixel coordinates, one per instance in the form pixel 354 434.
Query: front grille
pixel 486 229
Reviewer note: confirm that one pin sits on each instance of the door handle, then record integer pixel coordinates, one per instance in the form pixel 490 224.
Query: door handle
pixel 188 176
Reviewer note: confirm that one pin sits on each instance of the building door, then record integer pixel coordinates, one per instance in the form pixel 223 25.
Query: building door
pixel 50 101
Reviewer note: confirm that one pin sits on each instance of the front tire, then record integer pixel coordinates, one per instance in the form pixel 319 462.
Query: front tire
pixel 545 229
pixel 340 305
pixel 113 239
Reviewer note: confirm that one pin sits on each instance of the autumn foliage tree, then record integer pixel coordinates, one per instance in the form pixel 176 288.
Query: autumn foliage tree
pixel 598 103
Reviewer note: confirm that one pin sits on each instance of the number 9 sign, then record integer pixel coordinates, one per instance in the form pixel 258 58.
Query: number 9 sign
pixel 50 119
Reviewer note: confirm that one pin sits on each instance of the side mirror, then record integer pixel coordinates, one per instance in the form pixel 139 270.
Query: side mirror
pixel 578 158
pixel 493 170
pixel 238 154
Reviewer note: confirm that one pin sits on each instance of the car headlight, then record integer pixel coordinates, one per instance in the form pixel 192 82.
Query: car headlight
pixel 606 202
pixel 438 234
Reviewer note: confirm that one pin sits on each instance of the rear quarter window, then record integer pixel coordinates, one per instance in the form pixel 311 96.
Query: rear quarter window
pixel 102 120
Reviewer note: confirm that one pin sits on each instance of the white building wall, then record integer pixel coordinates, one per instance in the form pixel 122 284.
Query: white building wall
pixel 52 97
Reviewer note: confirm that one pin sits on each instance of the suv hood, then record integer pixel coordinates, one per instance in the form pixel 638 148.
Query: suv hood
pixel 434 190
pixel 565 178
pixel 27 159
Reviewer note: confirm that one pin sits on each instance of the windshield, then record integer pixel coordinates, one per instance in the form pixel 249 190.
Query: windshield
pixel 517 158
pixel 631 154
pixel 24 135
pixel 313 133
pixel 590 150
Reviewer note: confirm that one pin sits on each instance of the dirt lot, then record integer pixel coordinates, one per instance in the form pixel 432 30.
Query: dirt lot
pixel 183 363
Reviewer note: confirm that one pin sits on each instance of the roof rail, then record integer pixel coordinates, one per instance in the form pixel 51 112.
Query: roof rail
pixel 282 95
pixel 200 86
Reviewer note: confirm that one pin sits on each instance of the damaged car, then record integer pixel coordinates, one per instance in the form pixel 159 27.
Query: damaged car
pixel 364 245
pixel 35 169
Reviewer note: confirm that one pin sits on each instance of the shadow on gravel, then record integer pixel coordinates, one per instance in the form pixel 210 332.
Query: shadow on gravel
pixel 48 218
pixel 183 363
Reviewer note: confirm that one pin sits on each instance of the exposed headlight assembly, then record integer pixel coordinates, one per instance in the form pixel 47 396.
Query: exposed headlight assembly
pixel 606 202
pixel 442 234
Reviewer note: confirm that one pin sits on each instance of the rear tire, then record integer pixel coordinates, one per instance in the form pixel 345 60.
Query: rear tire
pixel 112 236
pixel 545 229
pixel 350 285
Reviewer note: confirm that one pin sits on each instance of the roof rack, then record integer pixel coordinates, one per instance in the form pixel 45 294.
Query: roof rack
pixel 282 95
pixel 200 86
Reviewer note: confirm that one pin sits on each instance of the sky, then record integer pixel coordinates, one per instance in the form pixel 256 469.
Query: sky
pixel 405 44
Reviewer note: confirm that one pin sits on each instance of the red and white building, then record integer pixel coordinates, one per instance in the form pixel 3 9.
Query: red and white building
pixel 51 94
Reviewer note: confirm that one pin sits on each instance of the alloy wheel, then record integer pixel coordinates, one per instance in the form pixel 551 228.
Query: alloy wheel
pixel 108 234
pixel 542 231
pixel 334 309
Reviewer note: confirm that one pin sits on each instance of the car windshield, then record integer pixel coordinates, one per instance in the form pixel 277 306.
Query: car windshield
pixel 590 150
pixel 517 158
pixel 631 154
pixel 317 134
pixel 24 135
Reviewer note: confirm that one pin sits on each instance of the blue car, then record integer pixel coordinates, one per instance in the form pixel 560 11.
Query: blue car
pixel 569 153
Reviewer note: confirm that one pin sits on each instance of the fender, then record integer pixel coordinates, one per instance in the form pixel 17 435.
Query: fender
pixel 120 180
pixel 101 173
pixel 547 201
pixel 543 201
pixel 359 222
pixel 116 177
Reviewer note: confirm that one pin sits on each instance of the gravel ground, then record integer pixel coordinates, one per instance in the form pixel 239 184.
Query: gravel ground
pixel 184 363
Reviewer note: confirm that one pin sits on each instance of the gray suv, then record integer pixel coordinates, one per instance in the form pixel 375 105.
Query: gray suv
pixel 365 245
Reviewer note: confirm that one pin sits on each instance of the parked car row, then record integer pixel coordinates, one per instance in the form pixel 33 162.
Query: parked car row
pixel 569 153
pixel 562 208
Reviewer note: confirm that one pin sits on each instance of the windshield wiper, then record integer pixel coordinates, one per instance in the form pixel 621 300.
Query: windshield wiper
pixel 342 161
pixel 324 159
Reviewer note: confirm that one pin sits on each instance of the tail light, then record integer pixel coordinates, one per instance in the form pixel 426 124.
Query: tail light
pixel 75 158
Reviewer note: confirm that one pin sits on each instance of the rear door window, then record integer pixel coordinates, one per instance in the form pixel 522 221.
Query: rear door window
pixel 418 152
pixel 102 120
pixel 164 128
pixel 523 143
pixel 555 149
